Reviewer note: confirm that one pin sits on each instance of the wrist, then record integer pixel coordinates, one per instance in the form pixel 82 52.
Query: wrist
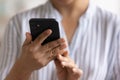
pixel 20 66
pixel 19 72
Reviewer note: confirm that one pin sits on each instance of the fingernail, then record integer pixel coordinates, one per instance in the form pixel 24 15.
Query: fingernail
pixel 49 31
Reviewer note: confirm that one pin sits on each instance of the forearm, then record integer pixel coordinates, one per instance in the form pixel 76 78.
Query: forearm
pixel 18 72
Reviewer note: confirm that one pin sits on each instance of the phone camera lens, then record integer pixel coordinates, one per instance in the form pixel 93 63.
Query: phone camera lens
pixel 38 25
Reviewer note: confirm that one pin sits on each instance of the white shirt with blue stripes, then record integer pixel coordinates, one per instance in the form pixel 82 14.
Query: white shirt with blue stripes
pixel 95 46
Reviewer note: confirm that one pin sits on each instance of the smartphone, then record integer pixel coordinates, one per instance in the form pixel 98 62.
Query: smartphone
pixel 39 25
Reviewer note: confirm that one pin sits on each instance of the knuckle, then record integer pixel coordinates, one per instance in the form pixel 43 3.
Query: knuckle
pixel 52 44
pixel 33 50
pixel 55 51
pixel 45 47
pixel 55 43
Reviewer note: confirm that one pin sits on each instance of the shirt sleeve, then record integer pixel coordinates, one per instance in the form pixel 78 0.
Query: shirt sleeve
pixel 9 48
pixel 117 62
pixel 116 68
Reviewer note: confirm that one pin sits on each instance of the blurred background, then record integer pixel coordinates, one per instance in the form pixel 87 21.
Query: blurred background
pixel 8 8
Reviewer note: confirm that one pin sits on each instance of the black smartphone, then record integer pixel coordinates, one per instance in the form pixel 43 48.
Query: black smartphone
pixel 39 25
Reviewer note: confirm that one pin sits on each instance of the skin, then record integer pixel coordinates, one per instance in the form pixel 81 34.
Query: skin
pixel 66 68
pixel 33 55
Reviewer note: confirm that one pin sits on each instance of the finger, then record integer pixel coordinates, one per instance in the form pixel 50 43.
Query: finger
pixel 63 46
pixel 65 54
pixel 68 65
pixel 77 72
pixel 71 67
pixel 59 49
pixel 52 55
pixel 58 65
pixel 39 40
pixel 54 44
pixel 61 58
pixel 28 39
pixel 57 62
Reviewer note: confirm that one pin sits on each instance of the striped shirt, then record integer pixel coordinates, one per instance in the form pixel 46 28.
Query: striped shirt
pixel 95 46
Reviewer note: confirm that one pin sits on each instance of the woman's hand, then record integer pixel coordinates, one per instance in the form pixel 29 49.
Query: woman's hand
pixel 35 56
pixel 66 68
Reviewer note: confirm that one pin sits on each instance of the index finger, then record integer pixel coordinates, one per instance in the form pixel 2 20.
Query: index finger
pixel 39 40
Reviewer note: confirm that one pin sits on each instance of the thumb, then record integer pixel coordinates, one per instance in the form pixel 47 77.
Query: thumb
pixel 28 39
pixel 58 65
